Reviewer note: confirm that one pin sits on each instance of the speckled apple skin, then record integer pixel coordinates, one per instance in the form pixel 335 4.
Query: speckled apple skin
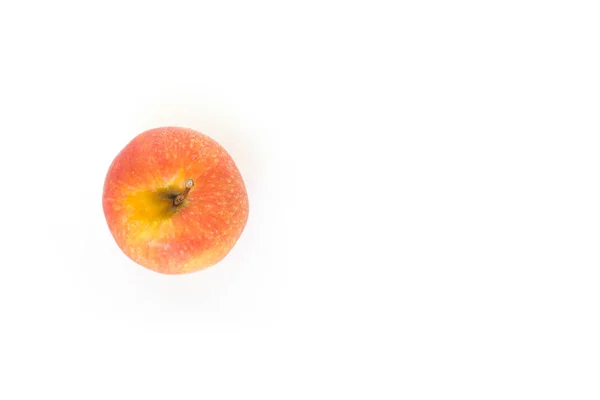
pixel 147 227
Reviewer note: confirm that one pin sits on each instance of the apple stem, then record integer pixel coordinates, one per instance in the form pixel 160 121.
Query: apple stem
pixel 181 197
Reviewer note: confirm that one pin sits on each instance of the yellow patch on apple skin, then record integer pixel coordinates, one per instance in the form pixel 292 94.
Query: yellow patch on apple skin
pixel 147 206
pixel 148 213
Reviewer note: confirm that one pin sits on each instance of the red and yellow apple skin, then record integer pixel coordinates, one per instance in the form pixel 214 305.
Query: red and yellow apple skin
pixel 167 235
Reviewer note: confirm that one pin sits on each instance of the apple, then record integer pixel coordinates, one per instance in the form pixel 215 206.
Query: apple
pixel 174 200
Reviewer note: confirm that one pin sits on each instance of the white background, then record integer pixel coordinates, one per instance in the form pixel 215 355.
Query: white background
pixel 424 187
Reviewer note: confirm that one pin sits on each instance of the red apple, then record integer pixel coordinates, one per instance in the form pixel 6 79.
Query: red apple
pixel 174 200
